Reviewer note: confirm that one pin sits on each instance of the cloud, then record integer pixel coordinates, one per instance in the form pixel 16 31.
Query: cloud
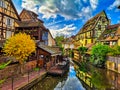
pixel 69 9
pixel 30 5
pixel 114 5
pixel 66 31
pixel 94 4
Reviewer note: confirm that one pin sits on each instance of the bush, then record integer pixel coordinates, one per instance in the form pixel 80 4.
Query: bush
pixel 98 55
pixel 115 51
pixel 71 53
pixel 82 50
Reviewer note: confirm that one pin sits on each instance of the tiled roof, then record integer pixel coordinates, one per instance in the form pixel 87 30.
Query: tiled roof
pixel 49 49
pixel 111 33
pixel 25 24
pixel 113 26
pixel 33 16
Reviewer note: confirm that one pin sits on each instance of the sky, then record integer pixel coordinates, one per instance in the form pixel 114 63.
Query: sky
pixel 67 17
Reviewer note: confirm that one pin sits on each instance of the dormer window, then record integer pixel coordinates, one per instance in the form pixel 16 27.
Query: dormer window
pixel 105 35
pixel 112 34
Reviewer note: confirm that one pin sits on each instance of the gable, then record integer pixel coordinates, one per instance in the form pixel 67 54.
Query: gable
pixel 91 23
pixel 8 9
pixel 25 16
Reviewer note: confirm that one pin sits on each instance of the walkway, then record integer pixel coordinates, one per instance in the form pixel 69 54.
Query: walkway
pixel 21 80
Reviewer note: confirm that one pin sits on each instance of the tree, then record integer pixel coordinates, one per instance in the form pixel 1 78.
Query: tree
pixel 82 51
pixel 98 54
pixel 115 51
pixel 71 52
pixel 19 46
pixel 59 40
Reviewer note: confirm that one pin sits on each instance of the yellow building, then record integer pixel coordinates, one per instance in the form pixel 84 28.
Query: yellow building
pixel 111 36
pixel 92 29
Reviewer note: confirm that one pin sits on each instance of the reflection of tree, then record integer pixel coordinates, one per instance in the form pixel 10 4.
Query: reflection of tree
pixel 99 80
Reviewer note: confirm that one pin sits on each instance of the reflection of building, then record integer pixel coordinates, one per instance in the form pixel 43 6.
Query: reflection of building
pixel 8 16
pixel 92 29
pixel 30 24
pixel 111 36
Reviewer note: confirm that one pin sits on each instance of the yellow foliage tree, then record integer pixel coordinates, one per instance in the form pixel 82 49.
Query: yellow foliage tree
pixel 19 46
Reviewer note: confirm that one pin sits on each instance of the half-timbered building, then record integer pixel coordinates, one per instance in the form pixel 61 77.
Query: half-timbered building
pixel 111 36
pixel 92 29
pixel 8 16
pixel 33 26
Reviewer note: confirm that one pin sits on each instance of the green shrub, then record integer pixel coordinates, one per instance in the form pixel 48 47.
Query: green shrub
pixel 3 65
pixel 115 51
pixel 82 50
pixel 71 53
pixel 98 54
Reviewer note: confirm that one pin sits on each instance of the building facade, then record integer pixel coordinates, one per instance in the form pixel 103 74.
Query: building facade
pixel 51 40
pixel 33 26
pixel 8 18
pixel 111 36
pixel 92 29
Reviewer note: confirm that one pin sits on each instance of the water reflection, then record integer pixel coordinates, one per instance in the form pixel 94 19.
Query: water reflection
pixel 100 79
pixel 71 83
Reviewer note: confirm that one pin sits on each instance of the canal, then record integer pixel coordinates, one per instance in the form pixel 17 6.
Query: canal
pixel 67 82
pixel 97 78
pixel 76 79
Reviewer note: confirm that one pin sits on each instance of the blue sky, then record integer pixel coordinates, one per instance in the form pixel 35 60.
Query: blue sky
pixel 66 17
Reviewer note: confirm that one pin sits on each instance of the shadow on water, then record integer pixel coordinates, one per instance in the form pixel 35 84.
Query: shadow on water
pixel 101 79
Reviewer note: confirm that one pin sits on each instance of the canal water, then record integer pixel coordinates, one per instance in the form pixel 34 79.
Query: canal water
pixel 68 82
pixel 99 79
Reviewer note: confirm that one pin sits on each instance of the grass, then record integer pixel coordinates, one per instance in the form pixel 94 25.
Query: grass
pixel 36 69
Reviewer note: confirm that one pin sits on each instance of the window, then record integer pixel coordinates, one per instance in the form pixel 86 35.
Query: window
pixel 41 56
pixel 9 22
pixel 103 20
pixel 99 26
pixel 112 35
pixel 2 4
